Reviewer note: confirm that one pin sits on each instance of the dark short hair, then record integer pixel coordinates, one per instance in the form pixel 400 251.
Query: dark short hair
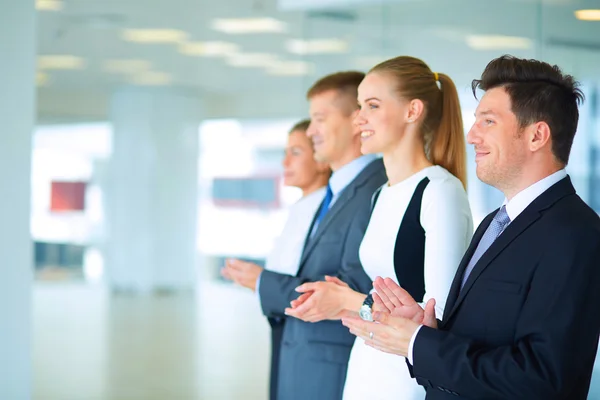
pixel 538 91
pixel 301 126
pixel 345 83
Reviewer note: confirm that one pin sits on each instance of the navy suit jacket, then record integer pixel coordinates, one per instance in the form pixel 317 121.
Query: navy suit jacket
pixel 526 324
pixel 314 356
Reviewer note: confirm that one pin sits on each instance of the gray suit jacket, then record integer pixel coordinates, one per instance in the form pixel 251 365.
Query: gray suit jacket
pixel 314 356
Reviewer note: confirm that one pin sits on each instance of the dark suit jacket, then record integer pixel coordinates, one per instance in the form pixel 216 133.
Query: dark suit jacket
pixel 526 324
pixel 314 356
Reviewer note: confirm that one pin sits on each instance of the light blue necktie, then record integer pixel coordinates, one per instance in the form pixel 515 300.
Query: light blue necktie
pixel 496 227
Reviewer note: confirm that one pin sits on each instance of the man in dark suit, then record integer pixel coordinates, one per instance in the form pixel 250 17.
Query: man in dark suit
pixel 314 356
pixel 521 320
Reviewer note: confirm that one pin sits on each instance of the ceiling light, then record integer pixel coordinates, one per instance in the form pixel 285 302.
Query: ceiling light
pixel 249 25
pixel 60 62
pixel 452 34
pixel 127 66
pixel 208 49
pixel 588 15
pixel 151 78
pixel 251 60
pixel 154 35
pixel 290 68
pixel 316 46
pixel 42 79
pixel 497 42
pixel 48 5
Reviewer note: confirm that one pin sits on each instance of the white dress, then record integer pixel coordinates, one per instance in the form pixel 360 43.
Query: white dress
pixel 445 216
pixel 287 250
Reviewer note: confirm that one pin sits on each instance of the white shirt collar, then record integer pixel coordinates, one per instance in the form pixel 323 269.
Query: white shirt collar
pixel 525 197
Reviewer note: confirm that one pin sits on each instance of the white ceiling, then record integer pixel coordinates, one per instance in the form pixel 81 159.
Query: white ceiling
pixel 435 30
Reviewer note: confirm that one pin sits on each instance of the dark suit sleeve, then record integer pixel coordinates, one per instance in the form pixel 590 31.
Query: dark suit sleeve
pixel 555 338
pixel 276 291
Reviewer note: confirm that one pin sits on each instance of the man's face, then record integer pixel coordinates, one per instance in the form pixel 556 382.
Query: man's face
pixel 331 129
pixel 500 148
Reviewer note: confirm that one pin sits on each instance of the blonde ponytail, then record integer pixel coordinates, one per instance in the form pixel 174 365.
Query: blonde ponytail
pixel 448 147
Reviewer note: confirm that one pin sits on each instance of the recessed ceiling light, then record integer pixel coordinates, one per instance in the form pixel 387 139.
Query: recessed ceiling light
pixel 208 49
pixel 498 42
pixel 127 66
pixel 588 15
pixel 249 25
pixel 251 60
pixel 48 5
pixel 452 34
pixel 316 46
pixel 151 78
pixel 290 68
pixel 60 62
pixel 154 35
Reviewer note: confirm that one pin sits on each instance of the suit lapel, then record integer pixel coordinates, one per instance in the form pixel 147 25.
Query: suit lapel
pixel 455 287
pixel 345 196
pixel 531 214
pixel 513 230
pixel 339 204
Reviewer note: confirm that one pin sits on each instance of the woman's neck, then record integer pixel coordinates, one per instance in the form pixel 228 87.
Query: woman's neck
pixel 405 160
pixel 316 185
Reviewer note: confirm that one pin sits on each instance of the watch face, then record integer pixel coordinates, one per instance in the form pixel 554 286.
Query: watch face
pixel 365 314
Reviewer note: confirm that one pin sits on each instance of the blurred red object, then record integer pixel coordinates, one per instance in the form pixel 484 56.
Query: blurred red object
pixel 67 196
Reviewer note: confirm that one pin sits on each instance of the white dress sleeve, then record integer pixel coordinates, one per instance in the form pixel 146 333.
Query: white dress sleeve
pixel 448 224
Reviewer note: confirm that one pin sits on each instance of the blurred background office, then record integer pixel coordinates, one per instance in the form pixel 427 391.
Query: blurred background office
pixel 142 143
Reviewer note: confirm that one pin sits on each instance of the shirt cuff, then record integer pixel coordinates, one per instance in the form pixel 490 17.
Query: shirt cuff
pixel 258 285
pixel 412 344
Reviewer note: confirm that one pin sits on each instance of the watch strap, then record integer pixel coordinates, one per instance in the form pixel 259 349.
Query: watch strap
pixel 368 301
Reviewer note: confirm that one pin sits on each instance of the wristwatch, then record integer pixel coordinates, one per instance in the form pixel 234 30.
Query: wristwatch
pixel 366 310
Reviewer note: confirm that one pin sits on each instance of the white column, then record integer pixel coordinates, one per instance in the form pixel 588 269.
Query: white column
pixel 151 191
pixel 17 113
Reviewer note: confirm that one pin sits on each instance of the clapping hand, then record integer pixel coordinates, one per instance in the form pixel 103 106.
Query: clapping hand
pixel 399 303
pixel 319 300
pixel 242 272
pixel 393 328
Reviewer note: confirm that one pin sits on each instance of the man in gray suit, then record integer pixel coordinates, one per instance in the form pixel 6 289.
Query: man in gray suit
pixel 314 356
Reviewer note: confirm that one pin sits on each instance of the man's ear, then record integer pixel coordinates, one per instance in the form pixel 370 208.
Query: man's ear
pixel 539 136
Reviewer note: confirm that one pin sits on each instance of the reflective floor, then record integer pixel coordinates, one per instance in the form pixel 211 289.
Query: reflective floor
pixel 92 346
pixel 213 345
